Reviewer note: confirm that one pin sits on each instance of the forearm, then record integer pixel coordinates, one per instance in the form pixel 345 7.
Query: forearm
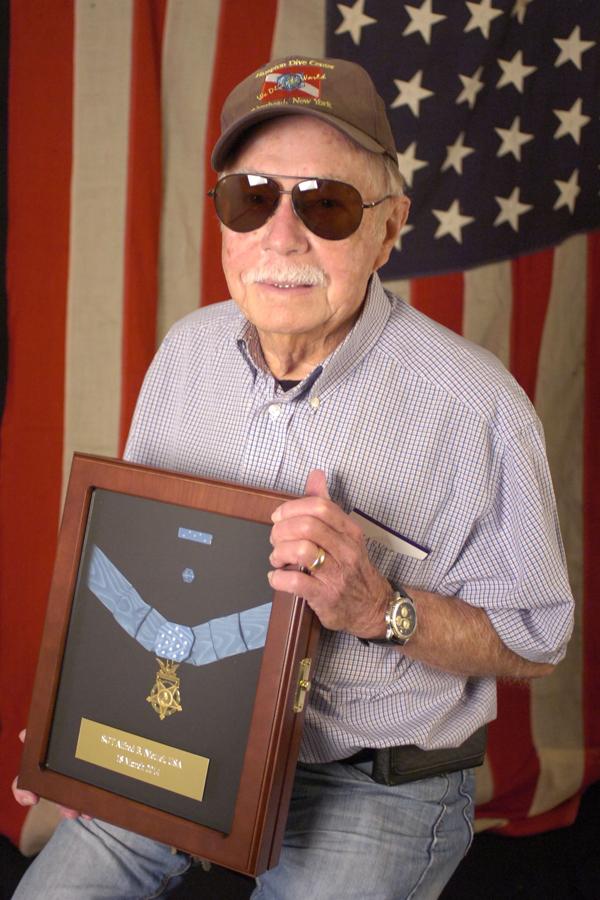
pixel 457 637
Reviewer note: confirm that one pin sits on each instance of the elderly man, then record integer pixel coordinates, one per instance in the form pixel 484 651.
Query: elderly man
pixel 315 380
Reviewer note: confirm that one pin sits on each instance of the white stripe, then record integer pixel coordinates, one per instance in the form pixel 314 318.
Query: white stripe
pixel 98 207
pixel 556 702
pixel 400 287
pixel 299 29
pixel 487 308
pixel 188 56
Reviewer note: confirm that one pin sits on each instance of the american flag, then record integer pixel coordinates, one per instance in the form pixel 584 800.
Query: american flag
pixel 112 110
pixel 495 107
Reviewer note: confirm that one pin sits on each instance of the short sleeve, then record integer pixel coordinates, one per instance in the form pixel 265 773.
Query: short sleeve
pixel 513 562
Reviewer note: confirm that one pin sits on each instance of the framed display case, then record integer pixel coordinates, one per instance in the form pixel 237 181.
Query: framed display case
pixel 171 681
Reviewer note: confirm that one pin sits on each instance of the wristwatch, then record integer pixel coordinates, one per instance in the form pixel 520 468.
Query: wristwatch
pixel 400 619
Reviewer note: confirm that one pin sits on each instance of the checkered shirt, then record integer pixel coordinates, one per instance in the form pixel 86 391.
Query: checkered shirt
pixel 426 433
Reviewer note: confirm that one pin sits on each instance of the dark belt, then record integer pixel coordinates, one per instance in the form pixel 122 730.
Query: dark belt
pixel 397 765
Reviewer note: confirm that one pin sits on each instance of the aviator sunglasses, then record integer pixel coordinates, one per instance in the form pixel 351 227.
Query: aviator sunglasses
pixel 330 209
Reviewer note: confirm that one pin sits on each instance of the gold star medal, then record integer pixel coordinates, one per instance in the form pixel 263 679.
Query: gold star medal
pixel 165 698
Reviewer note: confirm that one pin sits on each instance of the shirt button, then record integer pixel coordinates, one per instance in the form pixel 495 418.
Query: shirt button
pixel 274 410
pixel 314 402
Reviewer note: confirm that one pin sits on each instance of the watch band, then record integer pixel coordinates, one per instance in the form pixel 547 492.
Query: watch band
pixel 400 620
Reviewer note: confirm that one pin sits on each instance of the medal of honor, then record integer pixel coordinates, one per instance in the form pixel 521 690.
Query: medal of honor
pixel 164 697
pixel 171 643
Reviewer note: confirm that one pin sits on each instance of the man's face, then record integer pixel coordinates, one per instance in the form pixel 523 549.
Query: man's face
pixel 260 265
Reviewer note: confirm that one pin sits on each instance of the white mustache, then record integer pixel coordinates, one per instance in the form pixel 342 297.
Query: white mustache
pixel 285 274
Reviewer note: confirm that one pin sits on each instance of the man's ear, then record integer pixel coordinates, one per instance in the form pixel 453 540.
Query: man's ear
pixel 393 225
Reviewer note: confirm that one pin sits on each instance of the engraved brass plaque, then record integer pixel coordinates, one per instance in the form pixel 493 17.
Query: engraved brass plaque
pixel 150 761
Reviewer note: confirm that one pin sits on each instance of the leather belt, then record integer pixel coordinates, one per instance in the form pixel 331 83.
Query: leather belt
pixel 398 765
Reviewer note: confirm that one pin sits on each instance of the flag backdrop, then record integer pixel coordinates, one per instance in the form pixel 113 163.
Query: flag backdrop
pixel 112 109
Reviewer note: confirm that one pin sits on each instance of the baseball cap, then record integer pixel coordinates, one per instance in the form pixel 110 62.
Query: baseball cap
pixel 337 91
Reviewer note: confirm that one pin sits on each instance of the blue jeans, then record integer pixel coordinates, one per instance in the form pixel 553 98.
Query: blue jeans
pixel 346 837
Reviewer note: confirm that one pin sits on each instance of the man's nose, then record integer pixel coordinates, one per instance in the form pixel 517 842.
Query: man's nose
pixel 284 233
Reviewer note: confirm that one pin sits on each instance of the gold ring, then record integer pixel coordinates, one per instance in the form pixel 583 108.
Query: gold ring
pixel 318 560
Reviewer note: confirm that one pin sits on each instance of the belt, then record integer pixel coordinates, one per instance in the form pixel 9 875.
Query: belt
pixel 397 765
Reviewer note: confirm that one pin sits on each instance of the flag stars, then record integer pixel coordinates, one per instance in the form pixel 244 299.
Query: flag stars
pixel 409 164
pixel 472 84
pixel 512 139
pixel 571 121
pixel 422 20
pixel 568 191
pixel 410 93
pixel 451 222
pixel 354 20
pixel 519 10
pixel 572 48
pixel 455 153
pixel 514 71
pixel 510 209
pixel 482 15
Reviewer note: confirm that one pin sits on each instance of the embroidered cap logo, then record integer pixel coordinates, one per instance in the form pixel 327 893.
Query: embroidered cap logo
pixel 303 85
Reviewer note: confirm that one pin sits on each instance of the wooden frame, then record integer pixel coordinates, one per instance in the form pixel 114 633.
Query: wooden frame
pixel 252 843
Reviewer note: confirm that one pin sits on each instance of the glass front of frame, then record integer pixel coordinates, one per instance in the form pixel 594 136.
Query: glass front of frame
pixel 162 658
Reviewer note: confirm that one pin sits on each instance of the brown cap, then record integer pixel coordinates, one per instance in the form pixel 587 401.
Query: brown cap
pixel 334 90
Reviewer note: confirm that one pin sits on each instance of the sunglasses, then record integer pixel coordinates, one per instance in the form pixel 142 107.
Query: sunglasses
pixel 330 209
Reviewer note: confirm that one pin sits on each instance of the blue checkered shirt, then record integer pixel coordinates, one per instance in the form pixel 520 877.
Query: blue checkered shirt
pixel 426 433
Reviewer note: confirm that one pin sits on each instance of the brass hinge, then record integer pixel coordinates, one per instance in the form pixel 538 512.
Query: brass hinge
pixel 303 686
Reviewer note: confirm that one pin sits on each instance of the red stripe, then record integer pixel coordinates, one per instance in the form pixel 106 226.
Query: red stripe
pixel 591 522
pixel 40 113
pixel 531 285
pixel 142 229
pixel 515 764
pixel 441 297
pixel 243 44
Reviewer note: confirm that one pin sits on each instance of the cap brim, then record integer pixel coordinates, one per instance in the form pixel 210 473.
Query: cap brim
pixel 232 135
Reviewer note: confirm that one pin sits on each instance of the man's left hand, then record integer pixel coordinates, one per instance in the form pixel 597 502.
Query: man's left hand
pixel 346 592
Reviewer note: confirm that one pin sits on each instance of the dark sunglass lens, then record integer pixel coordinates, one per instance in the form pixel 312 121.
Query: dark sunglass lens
pixel 245 202
pixel 330 209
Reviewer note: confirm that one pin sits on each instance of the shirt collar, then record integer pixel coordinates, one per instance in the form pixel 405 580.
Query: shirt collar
pixel 355 346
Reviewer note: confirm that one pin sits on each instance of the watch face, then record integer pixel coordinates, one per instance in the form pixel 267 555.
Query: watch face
pixel 405 619
pixel 402 619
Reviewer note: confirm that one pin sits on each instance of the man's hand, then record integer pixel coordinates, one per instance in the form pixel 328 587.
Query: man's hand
pixel 347 592
pixel 28 798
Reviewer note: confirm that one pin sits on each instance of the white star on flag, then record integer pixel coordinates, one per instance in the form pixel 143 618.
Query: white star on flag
pixel 514 71
pixel 403 233
pixel 472 84
pixel 519 10
pixel 409 164
pixel 455 153
pixel 422 20
pixel 354 20
pixel 571 121
pixel 512 139
pixel 510 209
pixel 410 93
pixel 482 14
pixel 451 221
pixel 568 192
pixel 572 48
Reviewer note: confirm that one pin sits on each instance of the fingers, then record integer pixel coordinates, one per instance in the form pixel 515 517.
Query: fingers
pixel 28 798
pixel 68 813
pixel 308 554
pixel 316 484
pixel 23 798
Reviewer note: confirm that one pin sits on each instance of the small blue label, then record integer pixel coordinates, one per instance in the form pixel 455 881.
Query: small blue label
pixel 201 537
